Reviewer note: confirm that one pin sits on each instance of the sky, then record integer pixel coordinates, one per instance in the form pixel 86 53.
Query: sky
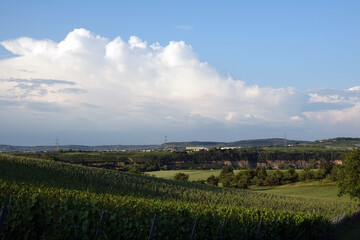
pixel 133 72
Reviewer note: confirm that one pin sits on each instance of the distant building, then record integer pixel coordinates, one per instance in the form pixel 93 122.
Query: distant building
pixel 196 149
pixel 225 148
pixel 171 149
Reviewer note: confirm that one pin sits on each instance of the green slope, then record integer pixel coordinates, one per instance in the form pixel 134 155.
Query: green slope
pixel 59 200
pixel 61 175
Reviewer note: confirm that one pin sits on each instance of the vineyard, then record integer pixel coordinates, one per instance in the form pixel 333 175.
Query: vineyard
pixel 57 200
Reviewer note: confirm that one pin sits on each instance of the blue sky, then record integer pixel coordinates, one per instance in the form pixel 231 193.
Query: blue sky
pixel 194 70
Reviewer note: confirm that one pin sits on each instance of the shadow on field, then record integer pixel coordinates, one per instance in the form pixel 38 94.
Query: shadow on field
pixel 260 189
pixel 349 230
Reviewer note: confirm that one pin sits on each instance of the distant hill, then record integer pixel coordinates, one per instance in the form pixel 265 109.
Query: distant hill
pixel 9 148
pixel 193 144
pixel 271 142
pixel 333 143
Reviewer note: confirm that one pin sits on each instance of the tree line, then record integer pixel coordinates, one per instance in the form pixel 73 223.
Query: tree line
pixel 261 177
pixel 213 158
pixel 251 155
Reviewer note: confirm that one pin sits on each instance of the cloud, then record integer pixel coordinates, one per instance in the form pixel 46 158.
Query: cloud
pixel 348 116
pixel 314 98
pixel 356 88
pixel 27 46
pixel 25 88
pixel 135 42
pixel 39 81
pixel 295 118
pixel 121 84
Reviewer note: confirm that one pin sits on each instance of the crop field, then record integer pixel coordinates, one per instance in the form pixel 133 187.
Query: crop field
pixel 195 175
pixel 319 189
pixel 315 188
pixel 45 192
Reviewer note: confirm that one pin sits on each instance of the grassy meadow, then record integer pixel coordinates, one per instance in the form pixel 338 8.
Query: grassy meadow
pixel 195 175
pixel 315 188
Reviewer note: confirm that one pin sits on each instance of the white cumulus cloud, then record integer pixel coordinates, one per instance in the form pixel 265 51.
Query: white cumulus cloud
pixel 122 82
pixel 356 88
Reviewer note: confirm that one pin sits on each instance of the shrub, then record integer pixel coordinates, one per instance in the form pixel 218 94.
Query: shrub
pixel 227 180
pixel 183 177
pixel 349 175
pixel 135 170
pixel 212 180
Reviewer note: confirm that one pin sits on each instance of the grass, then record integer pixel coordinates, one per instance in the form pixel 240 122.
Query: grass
pixel 316 188
pixel 195 175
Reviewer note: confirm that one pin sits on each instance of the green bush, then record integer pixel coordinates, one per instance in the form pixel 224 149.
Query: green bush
pixel 182 177
pixel 349 175
pixel 135 170
pixel 212 180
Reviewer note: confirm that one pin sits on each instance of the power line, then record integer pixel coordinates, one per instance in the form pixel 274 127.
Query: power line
pixel 57 144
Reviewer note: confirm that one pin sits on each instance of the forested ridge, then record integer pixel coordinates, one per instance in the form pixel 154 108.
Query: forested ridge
pixel 213 158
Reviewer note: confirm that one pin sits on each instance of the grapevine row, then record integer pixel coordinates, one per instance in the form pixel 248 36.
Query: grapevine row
pixel 61 175
pixel 47 212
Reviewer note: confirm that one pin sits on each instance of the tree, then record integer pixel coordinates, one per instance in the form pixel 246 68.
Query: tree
pixel 320 173
pixel 271 180
pixel 183 177
pixel 226 170
pixel 290 176
pixel 227 180
pixel 135 170
pixel 306 174
pixel 278 176
pixel 335 173
pixel 227 176
pixel 349 175
pixel 326 166
pixel 242 180
pixel 212 180
pixel 261 173
pixel 257 181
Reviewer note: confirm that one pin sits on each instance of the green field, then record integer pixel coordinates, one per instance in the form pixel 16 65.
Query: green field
pixel 195 175
pixel 56 174
pixel 319 188
pixel 316 189
pixel 46 191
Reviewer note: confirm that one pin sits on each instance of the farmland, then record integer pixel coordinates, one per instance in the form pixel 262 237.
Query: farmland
pixel 73 195
pixel 195 175
pixel 316 188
